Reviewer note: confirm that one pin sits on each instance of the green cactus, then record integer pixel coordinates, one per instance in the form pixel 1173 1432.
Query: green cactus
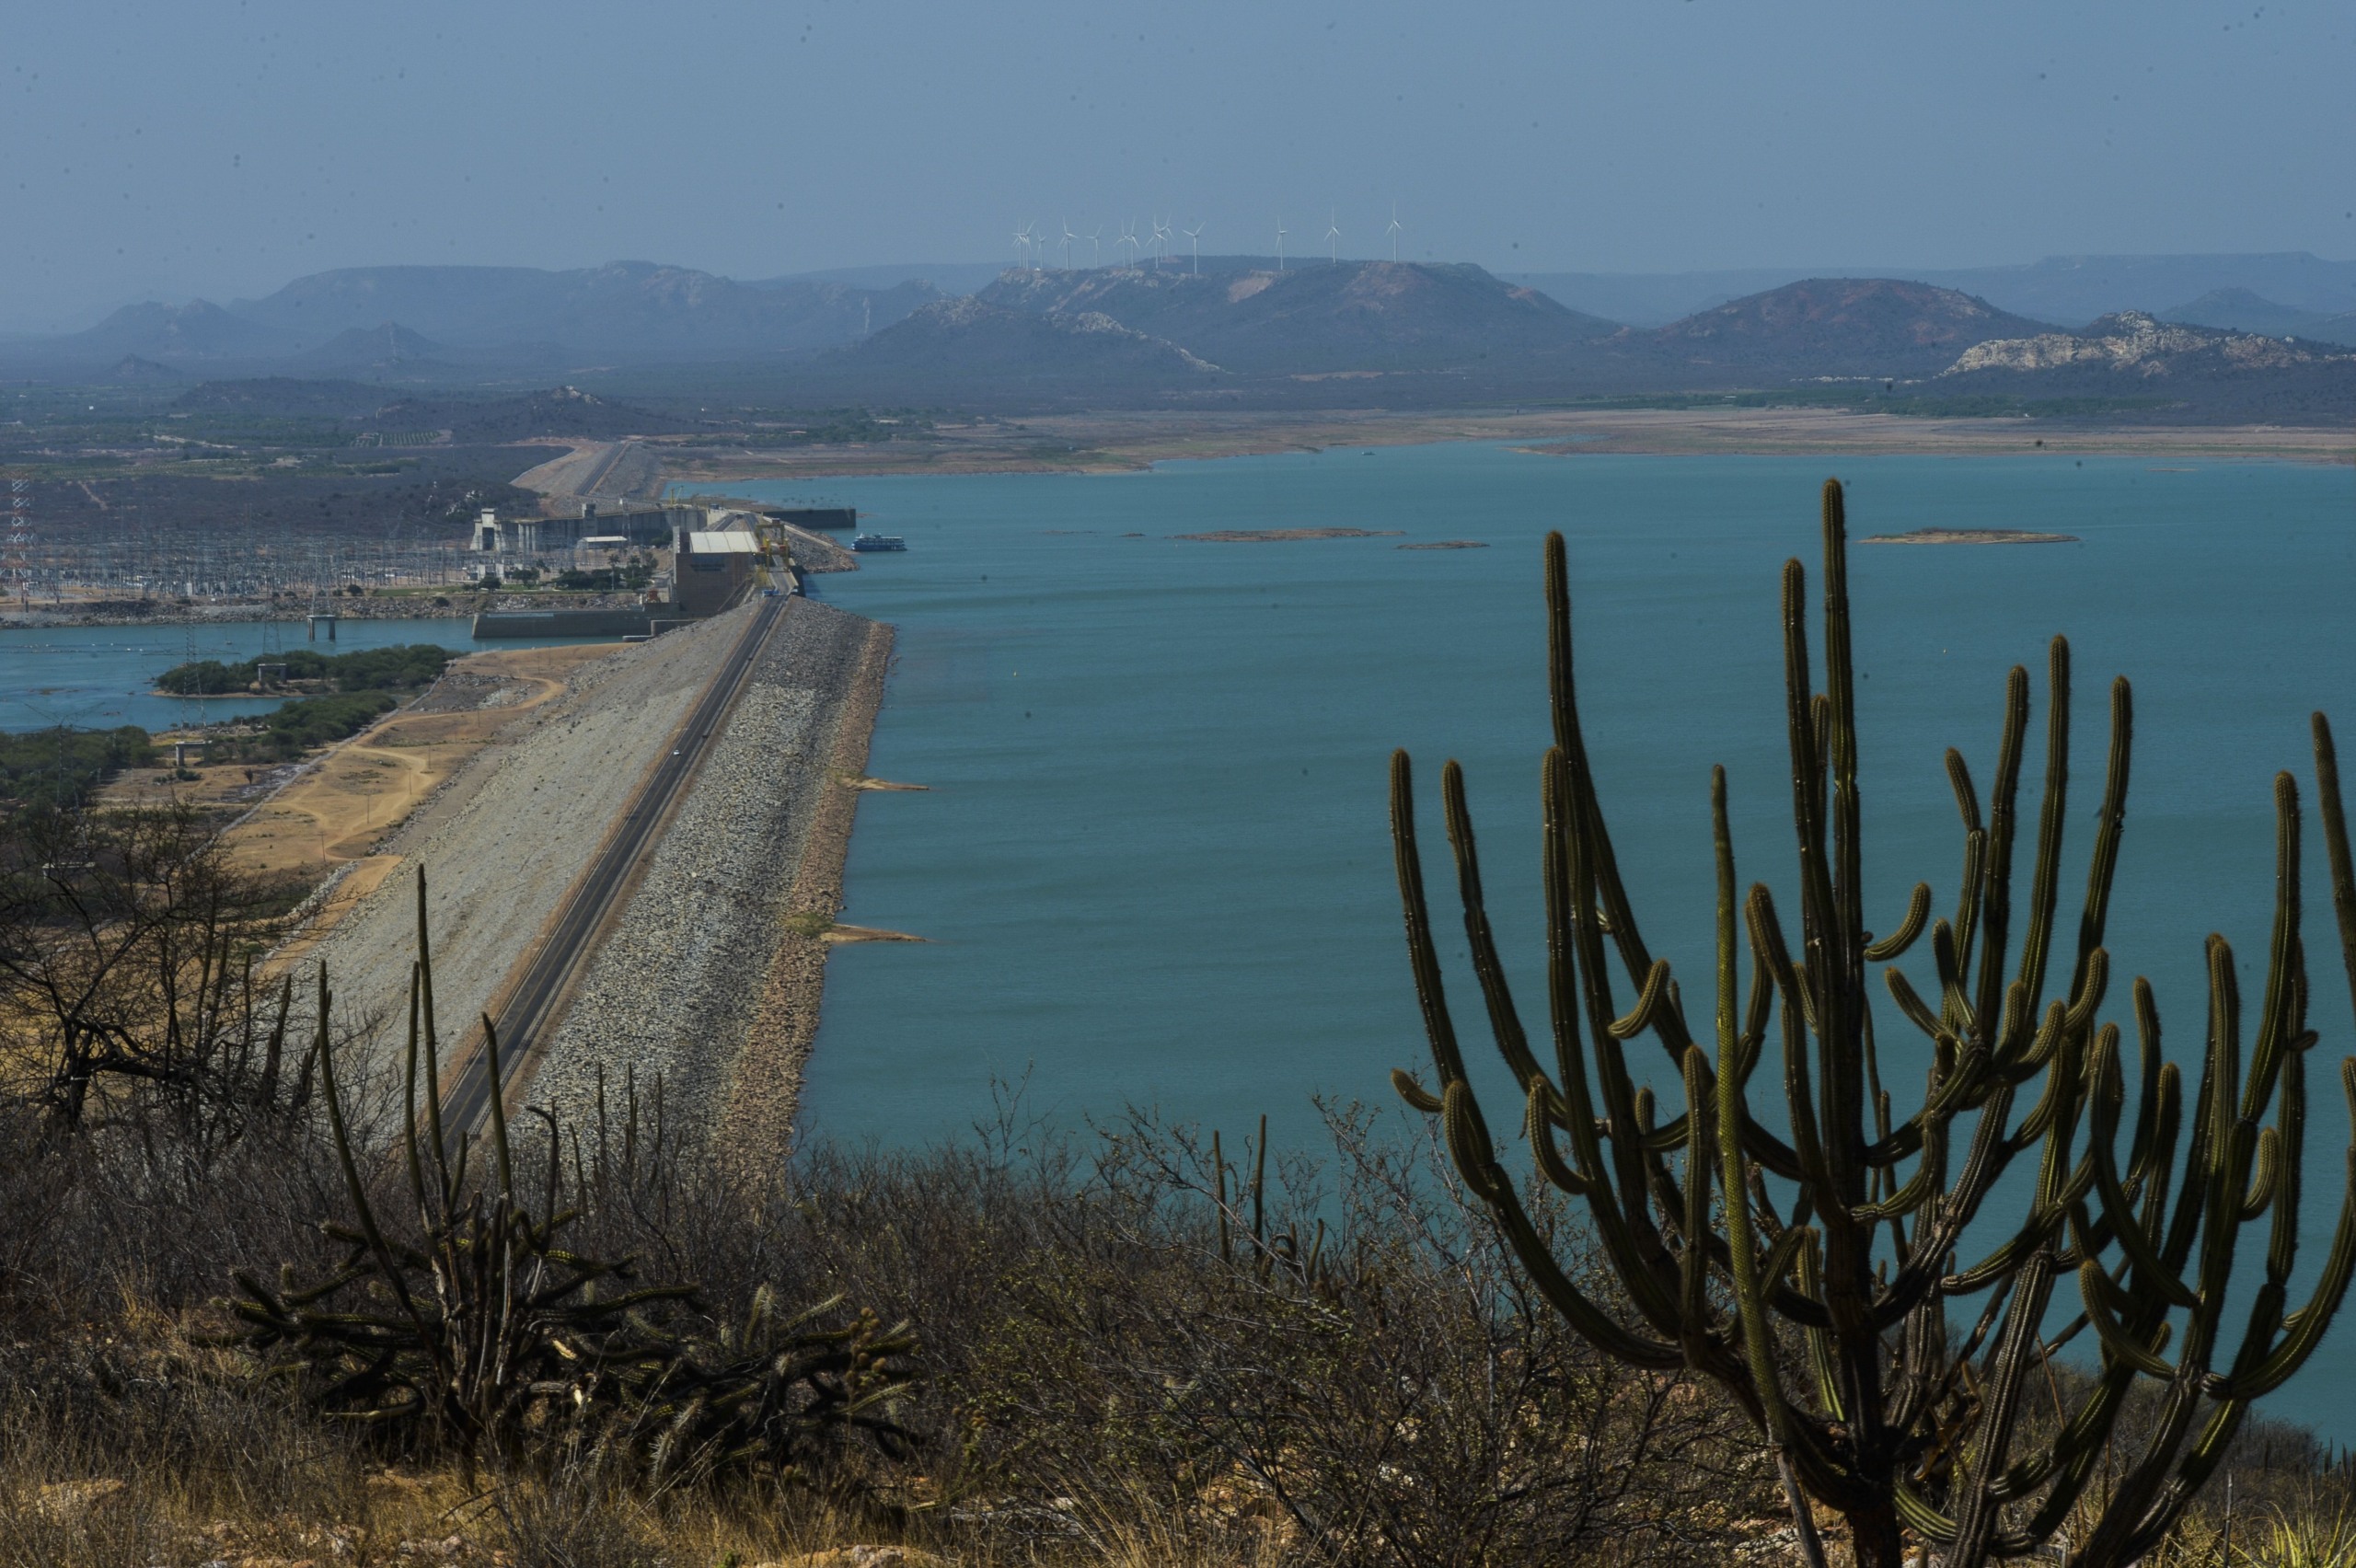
pixel 1810 1274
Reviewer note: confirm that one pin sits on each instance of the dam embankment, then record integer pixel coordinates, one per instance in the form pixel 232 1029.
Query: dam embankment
pixel 507 837
pixel 696 977
pixel 707 979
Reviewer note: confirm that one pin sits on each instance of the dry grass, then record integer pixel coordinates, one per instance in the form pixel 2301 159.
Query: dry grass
pixel 359 790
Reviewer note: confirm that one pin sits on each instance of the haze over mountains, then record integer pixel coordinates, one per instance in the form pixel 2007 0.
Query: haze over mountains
pixel 420 322
pixel 2072 290
pixel 1231 329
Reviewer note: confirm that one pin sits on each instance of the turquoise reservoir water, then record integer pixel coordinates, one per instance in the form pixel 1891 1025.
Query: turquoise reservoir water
pixel 1153 866
pixel 99 676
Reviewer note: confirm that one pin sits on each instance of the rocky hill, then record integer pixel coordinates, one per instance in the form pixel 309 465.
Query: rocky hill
pixel 1314 319
pixel 1842 328
pixel 972 345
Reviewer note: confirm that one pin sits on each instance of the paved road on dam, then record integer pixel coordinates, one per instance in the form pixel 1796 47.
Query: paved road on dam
pixel 527 1016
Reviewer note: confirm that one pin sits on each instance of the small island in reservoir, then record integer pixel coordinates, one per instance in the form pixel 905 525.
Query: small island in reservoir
pixel 1270 536
pixel 1445 545
pixel 1972 537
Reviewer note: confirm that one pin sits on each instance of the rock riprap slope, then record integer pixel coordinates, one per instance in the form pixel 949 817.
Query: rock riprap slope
pixel 672 991
pixel 510 836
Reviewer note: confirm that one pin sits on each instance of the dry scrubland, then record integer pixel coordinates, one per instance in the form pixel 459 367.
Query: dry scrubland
pixel 1113 1371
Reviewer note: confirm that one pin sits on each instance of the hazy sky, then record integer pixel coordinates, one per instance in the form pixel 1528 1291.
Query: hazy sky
pixel 166 150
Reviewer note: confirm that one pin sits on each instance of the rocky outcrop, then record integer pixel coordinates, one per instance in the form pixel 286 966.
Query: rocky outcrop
pixel 2144 346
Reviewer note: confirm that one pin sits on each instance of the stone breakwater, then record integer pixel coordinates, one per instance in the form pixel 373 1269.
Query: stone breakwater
pixel 708 979
pixel 504 839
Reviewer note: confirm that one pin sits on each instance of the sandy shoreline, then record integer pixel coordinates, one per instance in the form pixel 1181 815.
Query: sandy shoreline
pixel 1113 443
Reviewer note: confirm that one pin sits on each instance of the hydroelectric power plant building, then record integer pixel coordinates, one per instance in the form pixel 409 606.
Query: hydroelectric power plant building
pixel 716 560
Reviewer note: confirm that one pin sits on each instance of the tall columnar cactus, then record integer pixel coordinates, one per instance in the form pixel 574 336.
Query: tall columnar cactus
pixel 1809 1262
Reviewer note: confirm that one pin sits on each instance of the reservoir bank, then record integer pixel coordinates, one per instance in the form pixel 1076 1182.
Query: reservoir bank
pixel 99 676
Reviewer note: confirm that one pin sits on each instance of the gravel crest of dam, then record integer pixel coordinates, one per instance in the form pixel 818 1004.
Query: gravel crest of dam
pixel 505 839
pixel 676 987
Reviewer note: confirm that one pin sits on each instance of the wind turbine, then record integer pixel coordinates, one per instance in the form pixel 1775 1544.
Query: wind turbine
pixel 1069 238
pixel 1040 241
pixel 1280 245
pixel 1129 238
pixel 1023 248
pixel 1095 251
pixel 1195 234
pixel 1393 231
pixel 1333 237
pixel 1160 242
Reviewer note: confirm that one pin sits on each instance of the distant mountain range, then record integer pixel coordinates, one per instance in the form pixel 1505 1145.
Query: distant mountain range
pixel 1385 333
pixel 2067 289
pixel 1416 330
pixel 2244 311
pixel 1236 329
pixel 458 323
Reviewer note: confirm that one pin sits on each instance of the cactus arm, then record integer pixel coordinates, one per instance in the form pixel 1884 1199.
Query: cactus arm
pixel 2335 838
pixel 2111 822
pixel 1629 1227
pixel 2037 944
pixel 2290 1131
pixel 1423 957
pixel 2106 1303
pixel 2068 1454
pixel 1637 1252
pixel 1563 693
pixel 432 1048
pixel 1639 1016
pixel 1693 1304
pixel 1812 988
pixel 1747 1278
pixel 2267 1181
pixel 1768 950
pixel 497 1103
pixel 2305 1327
pixel 1956 1012
pixel 1562 982
pixel 2281 958
pixel 408 1102
pixel 1414 1093
pixel 2006 1377
pixel 342 1135
pixel 1918 910
pixel 1820 1355
pixel 1995 890
pixel 1475 1160
pixel 1538 1126
pixel 2156 1079
pixel 2151 1271
pixel 1505 1020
